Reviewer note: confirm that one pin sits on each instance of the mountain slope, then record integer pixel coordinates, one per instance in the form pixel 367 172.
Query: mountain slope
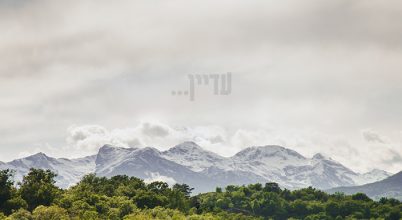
pixel 389 187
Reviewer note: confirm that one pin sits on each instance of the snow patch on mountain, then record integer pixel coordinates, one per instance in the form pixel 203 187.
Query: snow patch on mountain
pixel 191 155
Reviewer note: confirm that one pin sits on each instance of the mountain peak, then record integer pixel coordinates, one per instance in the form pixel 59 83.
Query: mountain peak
pixel 186 147
pixel 37 156
pixel 319 156
pixel 190 148
pixel 192 156
pixel 110 153
pixel 148 151
pixel 378 171
pixel 268 151
pixel 188 144
pixel 107 146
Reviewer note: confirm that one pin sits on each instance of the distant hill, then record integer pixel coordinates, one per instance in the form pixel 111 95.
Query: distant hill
pixel 390 187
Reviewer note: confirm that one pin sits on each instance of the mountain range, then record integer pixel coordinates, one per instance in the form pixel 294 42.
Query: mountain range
pixel 204 170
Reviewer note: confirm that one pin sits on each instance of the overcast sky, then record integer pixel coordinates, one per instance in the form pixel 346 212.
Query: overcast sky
pixel 313 76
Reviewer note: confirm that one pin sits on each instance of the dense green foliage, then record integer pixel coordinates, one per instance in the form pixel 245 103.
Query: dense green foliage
pixel 123 197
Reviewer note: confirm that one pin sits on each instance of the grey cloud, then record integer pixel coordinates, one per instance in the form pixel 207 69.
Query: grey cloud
pixel 396 158
pixel 329 66
pixel 134 142
pixel 84 132
pixel 371 136
pixel 154 130
pixel 216 139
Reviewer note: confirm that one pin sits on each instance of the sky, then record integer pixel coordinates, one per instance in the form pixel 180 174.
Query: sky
pixel 313 76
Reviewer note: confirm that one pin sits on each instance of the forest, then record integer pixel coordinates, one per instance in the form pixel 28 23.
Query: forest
pixel 37 197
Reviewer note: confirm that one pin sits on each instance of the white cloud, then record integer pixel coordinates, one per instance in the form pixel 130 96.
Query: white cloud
pixel 87 139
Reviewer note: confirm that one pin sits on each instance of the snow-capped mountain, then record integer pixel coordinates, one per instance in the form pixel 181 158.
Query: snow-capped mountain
pixel 68 171
pixel 268 163
pixel 201 169
pixel 149 164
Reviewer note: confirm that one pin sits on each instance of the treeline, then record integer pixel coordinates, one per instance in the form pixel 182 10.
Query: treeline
pixel 123 197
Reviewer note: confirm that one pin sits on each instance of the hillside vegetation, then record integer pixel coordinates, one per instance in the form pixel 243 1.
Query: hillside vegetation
pixel 123 197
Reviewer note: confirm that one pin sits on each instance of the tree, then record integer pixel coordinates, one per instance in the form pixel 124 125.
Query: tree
pixel 37 188
pixel 299 208
pixel 158 187
pixel 332 209
pixel 6 188
pixel 395 214
pixel 50 213
pixel 184 188
pixel 272 187
pixel 148 199
pixel 21 214
pixel 121 205
pixel 15 203
pixel 361 197
pixel 177 200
